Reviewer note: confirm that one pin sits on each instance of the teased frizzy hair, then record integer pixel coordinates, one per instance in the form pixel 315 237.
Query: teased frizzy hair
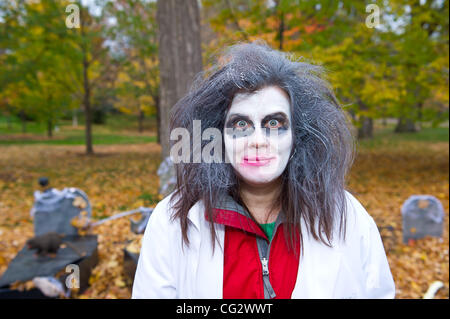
pixel 313 183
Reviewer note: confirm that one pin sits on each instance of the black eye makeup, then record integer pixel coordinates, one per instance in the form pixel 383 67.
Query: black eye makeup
pixel 277 121
pixel 237 121
pixel 239 125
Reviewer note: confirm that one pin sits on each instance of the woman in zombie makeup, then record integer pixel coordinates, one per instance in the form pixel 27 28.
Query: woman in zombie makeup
pixel 270 216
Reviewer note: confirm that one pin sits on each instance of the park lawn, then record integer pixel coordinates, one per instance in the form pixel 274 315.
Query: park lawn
pixel 384 137
pixel 79 139
pixel 118 129
pixel 385 173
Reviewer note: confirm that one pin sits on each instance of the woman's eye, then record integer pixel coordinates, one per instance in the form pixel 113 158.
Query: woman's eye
pixel 274 123
pixel 241 124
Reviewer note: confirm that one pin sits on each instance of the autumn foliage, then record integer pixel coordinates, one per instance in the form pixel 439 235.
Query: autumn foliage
pixel 124 177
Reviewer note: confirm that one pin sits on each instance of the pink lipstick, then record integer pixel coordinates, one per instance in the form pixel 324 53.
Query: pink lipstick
pixel 256 161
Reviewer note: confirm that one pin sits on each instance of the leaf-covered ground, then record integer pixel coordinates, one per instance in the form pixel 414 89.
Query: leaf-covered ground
pixel 123 177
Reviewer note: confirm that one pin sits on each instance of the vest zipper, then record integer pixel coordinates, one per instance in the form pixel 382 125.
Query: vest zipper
pixel 268 286
pixel 264 249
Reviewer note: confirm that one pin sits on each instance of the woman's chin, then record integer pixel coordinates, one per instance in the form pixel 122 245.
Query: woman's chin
pixel 259 180
pixel 259 176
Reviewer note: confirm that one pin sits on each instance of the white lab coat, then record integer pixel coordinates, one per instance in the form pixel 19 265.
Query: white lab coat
pixel 356 268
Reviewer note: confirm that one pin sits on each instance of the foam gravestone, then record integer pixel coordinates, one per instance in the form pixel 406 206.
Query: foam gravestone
pixel 167 177
pixel 55 210
pixel 423 215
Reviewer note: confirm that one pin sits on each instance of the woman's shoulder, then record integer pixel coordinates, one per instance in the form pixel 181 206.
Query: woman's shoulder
pixel 358 219
pixel 164 211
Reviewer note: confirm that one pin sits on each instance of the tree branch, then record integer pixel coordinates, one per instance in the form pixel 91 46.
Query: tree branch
pixel 235 20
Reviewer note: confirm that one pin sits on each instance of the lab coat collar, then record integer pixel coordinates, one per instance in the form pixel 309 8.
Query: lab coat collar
pixel 229 213
pixel 225 202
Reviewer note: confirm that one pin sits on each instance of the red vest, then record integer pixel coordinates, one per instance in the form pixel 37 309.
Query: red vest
pixel 243 267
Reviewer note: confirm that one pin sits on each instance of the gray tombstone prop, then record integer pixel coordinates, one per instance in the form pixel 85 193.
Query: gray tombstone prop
pixel 167 177
pixel 53 210
pixel 423 215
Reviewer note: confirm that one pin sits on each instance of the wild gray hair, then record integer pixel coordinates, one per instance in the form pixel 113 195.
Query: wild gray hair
pixel 313 182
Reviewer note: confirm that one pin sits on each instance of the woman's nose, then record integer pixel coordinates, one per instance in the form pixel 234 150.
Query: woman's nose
pixel 258 139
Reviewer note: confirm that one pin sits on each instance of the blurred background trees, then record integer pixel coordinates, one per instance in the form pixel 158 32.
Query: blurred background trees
pixel 386 62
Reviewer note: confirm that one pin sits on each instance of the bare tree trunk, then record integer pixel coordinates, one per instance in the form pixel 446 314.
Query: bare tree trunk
pixel 405 125
pixel 281 26
pixel 141 121
pixel 87 95
pixel 366 129
pixel 23 119
pixel 180 57
pixel 281 32
pixel 158 119
pixel 49 128
pixel 87 107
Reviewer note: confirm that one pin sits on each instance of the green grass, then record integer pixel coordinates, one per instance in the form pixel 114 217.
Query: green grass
pixel 79 140
pixel 386 137
pixel 15 127
pixel 118 129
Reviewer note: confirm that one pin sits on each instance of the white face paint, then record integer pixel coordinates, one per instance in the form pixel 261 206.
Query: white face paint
pixel 258 134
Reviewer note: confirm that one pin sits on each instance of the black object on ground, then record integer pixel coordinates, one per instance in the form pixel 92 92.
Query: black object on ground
pixel 130 261
pixel 26 265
